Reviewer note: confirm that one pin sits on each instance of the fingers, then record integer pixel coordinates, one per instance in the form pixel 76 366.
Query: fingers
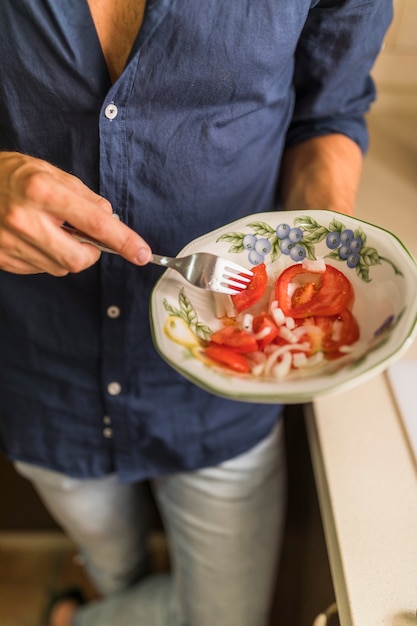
pixel 115 235
pixel 36 198
pixel 55 256
pixel 90 213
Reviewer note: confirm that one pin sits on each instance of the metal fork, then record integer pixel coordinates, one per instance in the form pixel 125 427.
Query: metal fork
pixel 201 269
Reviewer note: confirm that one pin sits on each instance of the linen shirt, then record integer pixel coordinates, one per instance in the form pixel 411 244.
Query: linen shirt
pixel 190 137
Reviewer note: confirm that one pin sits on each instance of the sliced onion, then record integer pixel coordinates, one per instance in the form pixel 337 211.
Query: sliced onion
pixel 258 369
pixel 224 306
pixel 281 369
pixel 247 322
pixel 299 359
pixel 287 334
pixel 278 316
pixel 313 360
pixel 317 266
pixel 279 351
pixel 291 289
pixel 263 333
pixel 306 330
pixel 290 323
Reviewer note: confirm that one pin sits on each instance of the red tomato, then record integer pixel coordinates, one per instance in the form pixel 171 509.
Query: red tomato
pixel 228 357
pixel 338 330
pixel 265 330
pixel 254 291
pixel 301 293
pixel 236 338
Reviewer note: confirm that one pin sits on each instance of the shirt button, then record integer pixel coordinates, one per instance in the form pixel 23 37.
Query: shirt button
pixel 113 312
pixel 114 388
pixel 111 111
pixel 106 420
pixel 107 433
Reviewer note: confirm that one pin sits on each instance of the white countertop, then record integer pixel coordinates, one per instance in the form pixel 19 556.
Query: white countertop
pixel 365 470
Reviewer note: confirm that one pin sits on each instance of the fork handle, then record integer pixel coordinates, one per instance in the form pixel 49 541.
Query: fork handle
pixel 157 259
pixel 84 238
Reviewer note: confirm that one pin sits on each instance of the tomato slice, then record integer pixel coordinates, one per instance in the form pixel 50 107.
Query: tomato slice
pixel 236 338
pixel 228 357
pixel 265 330
pixel 338 330
pixel 254 291
pixel 301 293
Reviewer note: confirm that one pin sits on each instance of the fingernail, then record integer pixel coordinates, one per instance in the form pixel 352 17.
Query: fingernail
pixel 143 256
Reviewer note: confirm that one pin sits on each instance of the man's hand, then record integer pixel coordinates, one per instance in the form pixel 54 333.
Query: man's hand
pixel 36 198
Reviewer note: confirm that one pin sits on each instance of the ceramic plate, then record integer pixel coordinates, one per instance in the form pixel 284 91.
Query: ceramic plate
pixel 382 271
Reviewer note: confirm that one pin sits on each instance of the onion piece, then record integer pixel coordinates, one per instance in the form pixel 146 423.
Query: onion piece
pixel 278 316
pixel 290 323
pixel 258 369
pixel 316 266
pixel 224 306
pixel 287 334
pixel 281 369
pixel 263 333
pixel 279 351
pixel 306 329
pixel 313 360
pixel 247 322
pixel 299 359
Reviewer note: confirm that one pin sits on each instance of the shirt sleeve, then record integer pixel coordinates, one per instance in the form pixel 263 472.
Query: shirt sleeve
pixel 335 54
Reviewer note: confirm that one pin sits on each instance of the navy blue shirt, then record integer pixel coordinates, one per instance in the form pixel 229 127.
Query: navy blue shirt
pixel 190 137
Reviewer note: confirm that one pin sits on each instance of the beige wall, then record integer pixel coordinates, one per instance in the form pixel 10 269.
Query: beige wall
pixel 396 68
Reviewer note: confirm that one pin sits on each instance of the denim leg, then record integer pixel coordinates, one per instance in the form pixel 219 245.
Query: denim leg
pixel 225 526
pixel 107 521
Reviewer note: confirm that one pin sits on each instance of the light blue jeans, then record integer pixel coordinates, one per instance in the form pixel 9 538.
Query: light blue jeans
pixel 224 525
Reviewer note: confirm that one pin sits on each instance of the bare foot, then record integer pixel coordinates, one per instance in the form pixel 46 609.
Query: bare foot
pixel 63 607
pixel 63 612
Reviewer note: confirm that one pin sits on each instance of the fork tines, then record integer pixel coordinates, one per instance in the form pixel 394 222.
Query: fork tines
pixel 236 277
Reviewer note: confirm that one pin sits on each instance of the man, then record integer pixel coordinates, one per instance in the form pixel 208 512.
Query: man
pixel 177 116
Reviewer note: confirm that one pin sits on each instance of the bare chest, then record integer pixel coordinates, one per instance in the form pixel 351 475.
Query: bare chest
pixel 117 23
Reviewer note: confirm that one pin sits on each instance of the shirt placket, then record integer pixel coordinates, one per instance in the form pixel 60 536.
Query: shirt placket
pixel 115 427
pixel 114 301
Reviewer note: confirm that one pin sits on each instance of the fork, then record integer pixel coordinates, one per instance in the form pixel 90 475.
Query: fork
pixel 201 269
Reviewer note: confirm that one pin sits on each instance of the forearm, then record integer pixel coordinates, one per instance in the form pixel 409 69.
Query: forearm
pixel 321 173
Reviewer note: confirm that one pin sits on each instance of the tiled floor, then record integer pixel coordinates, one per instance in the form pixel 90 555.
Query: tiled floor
pixel 33 565
pixel 36 565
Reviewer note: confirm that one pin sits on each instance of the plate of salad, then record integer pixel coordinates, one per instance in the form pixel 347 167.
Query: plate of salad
pixel 332 302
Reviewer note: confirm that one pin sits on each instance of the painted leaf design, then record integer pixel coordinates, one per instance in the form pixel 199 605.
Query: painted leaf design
pixel 187 309
pixel 363 272
pixel 309 248
pixel 360 233
pixel 202 330
pixel 262 228
pixel 307 222
pixel 369 256
pixel 275 249
pixel 231 237
pixel 236 239
pixel 335 225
